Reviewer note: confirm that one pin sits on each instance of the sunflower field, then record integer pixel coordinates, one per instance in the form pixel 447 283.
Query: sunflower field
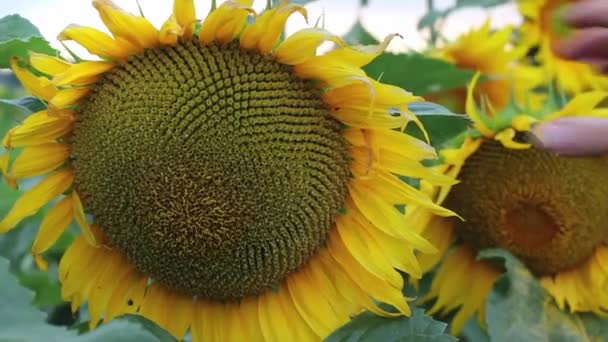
pixel 222 176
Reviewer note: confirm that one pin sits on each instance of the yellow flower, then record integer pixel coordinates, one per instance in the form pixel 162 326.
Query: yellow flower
pixel 225 183
pixel 546 209
pixel 540 30
pixel 489 52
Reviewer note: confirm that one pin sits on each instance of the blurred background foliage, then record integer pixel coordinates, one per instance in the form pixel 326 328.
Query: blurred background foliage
pixel 31 305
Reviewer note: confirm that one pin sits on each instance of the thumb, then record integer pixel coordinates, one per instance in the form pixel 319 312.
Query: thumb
pixel 573 136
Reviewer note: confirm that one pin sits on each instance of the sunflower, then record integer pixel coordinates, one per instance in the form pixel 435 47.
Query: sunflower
pixel 225 183
pixel 489 52
pixel 545 209
pixel 541 28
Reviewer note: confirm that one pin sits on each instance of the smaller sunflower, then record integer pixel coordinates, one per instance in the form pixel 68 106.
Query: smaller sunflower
pixel 489 52
pixel 541 29
pixel 547 210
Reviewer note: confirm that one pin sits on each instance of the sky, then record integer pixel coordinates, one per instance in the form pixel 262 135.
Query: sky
pixel 381 17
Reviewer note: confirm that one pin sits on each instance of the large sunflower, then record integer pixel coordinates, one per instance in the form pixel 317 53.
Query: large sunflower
pixel 547 210
pixel 541 28
pixel 225 182
pixel 483 50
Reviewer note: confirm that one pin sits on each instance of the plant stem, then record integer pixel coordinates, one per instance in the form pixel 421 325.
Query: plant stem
pixel 430 7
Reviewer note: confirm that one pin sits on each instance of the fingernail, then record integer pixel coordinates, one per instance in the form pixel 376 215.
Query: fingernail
pixel 572 136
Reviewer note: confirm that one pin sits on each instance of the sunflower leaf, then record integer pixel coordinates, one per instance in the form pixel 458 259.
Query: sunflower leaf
pixel 440 123
pixel 359 35
pixel 429 19
pixel 480 3
pixel 19 321
pixel 418 73
pixel 519 309
pixel 18 36
pixel 28 104
pixel 369 327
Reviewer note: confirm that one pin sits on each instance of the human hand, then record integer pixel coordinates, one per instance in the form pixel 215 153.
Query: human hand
pixel 572 136
pixel 589 40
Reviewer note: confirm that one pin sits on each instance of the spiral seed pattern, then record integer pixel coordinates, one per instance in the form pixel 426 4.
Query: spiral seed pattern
pixel 215 169
pixel 547 210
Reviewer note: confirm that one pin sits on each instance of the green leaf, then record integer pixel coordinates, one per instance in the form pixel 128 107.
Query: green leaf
pixel 441 124
pixel 429 19
pixel 299 2
pixel 28 104
pixel 19 321
pixel 128 328
pixel 359 35
pixel 17 37
pixel 47 291
pixel 519 309
pixel 369 327
pixel 15 26
pixel 480 3
pixel 417 73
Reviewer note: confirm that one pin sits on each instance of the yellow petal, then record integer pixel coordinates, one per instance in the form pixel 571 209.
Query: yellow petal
pixel 581 104
pixel 315 310
pixel 225 22
pixel 303 45
pixel 97 42
pixel 523 123
pixel 394 189
pixel 324 286
pixel 4 159
pixel 265 32
pixel 39 159
pixel 185 16
pixel 393 141
pixel 378 288
pixel 385 217
pixel 397 252
pixel 365 251
pixel 32 200
pixel 348 289
pixel 108 281
pixel 248 320
pixel 156 304
pixel 363 118
pixel 68 97
pixel 53 225
pixel 485 275
pixel 170 31
pixel 80 217
pixel 472 111
pixel 37 86
pixel 82 73
pixel 37 129
pixel 273 320
pixel 181 307
pixel 48 64
pixel 358 55
pixel 79 274
pixel 134 29
pixel 506 137
pixel 127 297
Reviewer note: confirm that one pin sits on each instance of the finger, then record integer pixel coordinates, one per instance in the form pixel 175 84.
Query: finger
pixel 584 44
pixel 572 136
pixel 587 13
